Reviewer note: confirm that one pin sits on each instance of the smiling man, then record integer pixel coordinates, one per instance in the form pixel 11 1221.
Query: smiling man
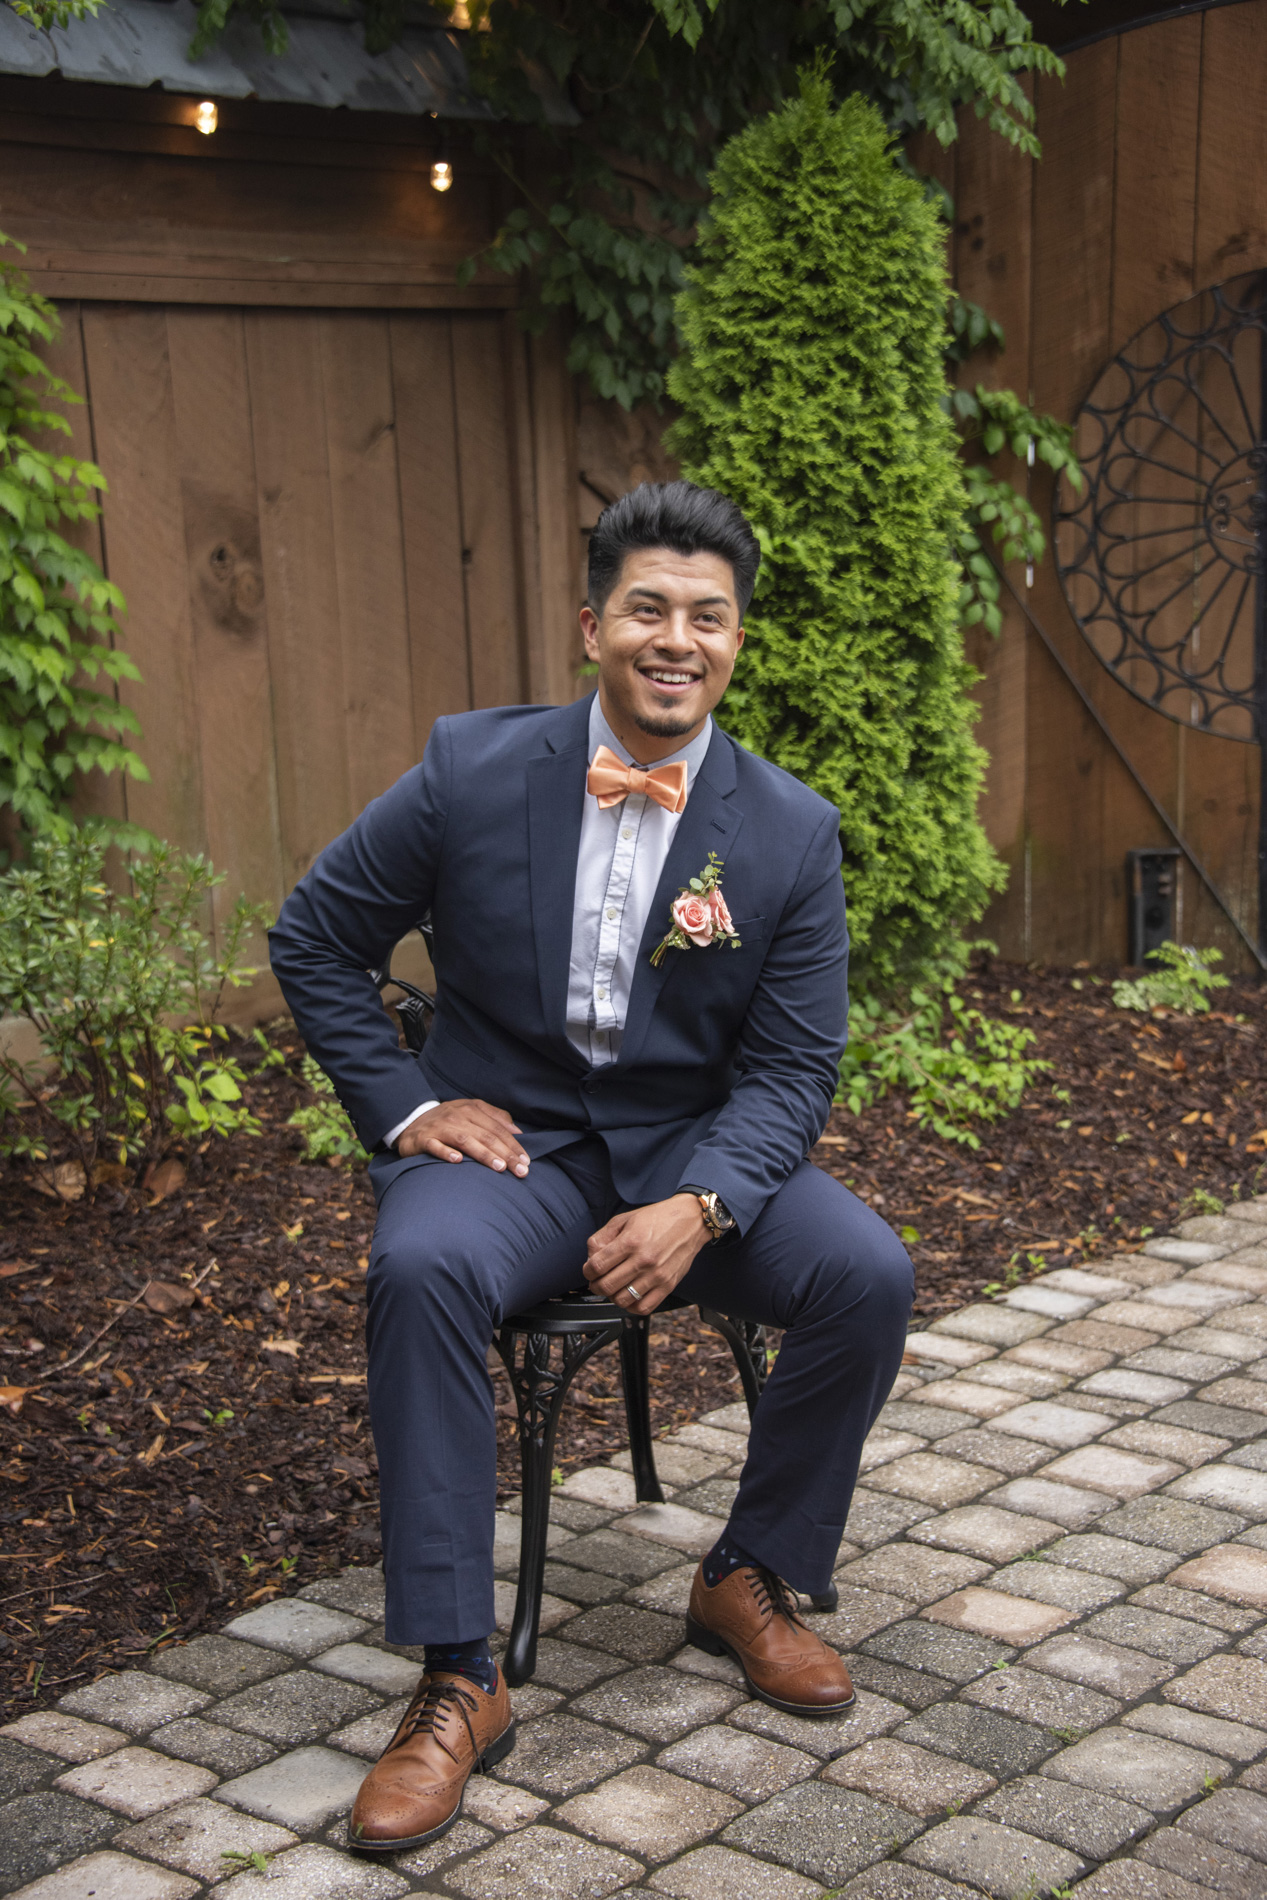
pixel 640 951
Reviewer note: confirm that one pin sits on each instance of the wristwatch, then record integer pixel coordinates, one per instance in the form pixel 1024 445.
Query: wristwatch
pixel 717 1216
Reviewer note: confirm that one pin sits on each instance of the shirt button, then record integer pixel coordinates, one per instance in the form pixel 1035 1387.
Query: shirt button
pixel 602 995
pixel 626 831
pixel 612 911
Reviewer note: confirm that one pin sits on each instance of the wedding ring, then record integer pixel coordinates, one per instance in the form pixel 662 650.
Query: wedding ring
pixel 631 1288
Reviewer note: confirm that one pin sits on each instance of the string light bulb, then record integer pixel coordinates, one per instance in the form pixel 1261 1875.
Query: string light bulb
pixel 441 175
pixel 207 116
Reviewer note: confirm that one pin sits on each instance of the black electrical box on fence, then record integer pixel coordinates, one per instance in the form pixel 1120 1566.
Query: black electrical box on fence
pixel 1152 879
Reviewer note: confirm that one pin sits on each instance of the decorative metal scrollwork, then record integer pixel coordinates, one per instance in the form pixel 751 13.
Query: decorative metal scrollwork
pixel 1163 555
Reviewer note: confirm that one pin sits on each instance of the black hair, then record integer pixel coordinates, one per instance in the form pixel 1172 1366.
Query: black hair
pixel 675 515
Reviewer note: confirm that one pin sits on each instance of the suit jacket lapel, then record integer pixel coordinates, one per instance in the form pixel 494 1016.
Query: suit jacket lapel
pixel 556 802
pixel 710 822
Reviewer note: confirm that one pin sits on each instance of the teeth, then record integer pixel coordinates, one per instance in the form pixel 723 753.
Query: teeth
pixel 672 679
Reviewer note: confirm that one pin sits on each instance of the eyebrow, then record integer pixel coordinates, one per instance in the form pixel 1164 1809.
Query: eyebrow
pixel 705 600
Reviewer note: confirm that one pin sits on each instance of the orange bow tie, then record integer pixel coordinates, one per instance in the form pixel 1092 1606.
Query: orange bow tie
pixel 610 781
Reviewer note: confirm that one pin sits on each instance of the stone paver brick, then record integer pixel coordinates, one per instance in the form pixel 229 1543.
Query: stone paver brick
pixel 225 1750
pixel 913 1777
pixel 658 1704
pixel 894 1880
pixel 882 1446
pixel 1176 1362
pixel 1171 1524
pixel 1132 1880
pixel 1087 1822
pixel 137 1781
pixel 1124 1673
pixel 1002 1860
pixel 1110 1557
pixel 194 1837
pixel 218 1664
pixel 1209 1732
pixel 361 1591
pixel 750 1766
pixel 591 1586
pixel 996 1743
pixel 568 1667
pixel 1203 1863
pixel 561 1754
pixel 1053 1301
pixel 1251 1392
pixel 984 1530
pixel 111 1876
pixel 930 1478
pixel 720 1873
pixel 1234 1571
pixel 43 1830
pixel 954 1654
pixel 1231 1686
pixel 1068 1589
pixel 969 1395
pixel 623 1629
pixel 650 1813
pixel 1123 1474
pixel 370 1735
pixel 1011 1457
pixel 313 1872
pixel 1052 1424
pixel 133 1702
pixel 925 1420
pixel 462 1838
pixel 859 1613
pixel 1196 1606
pixel 876 1519
pixel 1148 1769
pixel 1227 1487
pixel 991 1325
pixel 1167 1441
pixel 676 1526
pixel 708 1438
pixel 1235 1818
pixel 1046 1701
pixel 870 1715
pixel 1068 1505
pixel 1149 1387
pixel 296 1627
pixel 998 1614
pixel 299 1790
pixel 497 1805
pixel 825 1832
pixel 915 1688
pixel 1143 1315
pixel 616 1554
pixel 1109 1341
pixel 914 1574
pixel 22 1768
pixel 376 1669
pixel 1059 1355
pixel 543 1863
pixel 945 1349
pixel 1170 1638
pixel 64 1735
pixel 294 1708
pixel 1184 1253
pixel 1027 1379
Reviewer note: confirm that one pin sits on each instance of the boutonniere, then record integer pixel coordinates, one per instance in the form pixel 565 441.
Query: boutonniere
pixel 699 914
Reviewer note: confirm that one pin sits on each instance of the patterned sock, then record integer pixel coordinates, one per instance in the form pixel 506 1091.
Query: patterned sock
pixel 724 1557
pixel 464 1659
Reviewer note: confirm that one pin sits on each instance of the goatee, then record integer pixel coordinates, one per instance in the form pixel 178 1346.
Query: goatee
pixel 664 728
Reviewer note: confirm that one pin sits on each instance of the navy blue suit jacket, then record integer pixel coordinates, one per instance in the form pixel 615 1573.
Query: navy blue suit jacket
pixel 728 1063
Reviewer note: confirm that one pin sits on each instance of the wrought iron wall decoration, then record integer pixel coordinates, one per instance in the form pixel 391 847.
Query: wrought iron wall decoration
pixel 1162 556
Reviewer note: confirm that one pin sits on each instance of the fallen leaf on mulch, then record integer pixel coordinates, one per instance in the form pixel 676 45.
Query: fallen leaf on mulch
pixel 162 1297
pixel 11 1397
pixel 167 1178
pixel 65 1183
pixel 292 1347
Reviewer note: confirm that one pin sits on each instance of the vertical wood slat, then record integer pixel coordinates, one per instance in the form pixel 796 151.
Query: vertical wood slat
pixel 300 582
pixel 218 505
pixel 555 477
pixel 368 551
pixel 431 515
pixel 487 461
pixel 129 373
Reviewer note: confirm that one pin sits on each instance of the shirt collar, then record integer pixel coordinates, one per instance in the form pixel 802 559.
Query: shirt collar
pixel 692 755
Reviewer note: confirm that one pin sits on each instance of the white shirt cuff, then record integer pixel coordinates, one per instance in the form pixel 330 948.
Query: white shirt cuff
pixel 393 1134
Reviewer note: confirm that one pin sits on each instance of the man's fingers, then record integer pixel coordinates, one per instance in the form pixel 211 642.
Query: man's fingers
pixel 440 1150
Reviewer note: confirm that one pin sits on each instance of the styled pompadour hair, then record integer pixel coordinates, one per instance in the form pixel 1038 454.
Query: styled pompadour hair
pixel 675 515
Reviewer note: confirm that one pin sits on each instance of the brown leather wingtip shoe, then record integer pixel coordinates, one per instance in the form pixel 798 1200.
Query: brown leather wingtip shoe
pixel 413 1793
pixel 752 1616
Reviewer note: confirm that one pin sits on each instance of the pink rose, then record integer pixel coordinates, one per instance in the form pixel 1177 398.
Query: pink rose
pixel 722 926
pixel 693 917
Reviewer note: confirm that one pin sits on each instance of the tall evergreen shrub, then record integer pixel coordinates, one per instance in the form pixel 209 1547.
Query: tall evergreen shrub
pixel 812 384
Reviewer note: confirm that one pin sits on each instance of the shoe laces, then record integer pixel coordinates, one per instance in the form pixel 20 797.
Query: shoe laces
pixel 433 1700
pixel 772 1594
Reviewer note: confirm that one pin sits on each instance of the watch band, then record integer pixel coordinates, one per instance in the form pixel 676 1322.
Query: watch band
pixel 717 1216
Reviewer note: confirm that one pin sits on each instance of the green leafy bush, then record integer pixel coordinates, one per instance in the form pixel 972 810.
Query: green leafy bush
pixel 323 1123
pixel 812 385
pixel 123 990
pixel 1182 981
pixel 57 609
pixel 956 1066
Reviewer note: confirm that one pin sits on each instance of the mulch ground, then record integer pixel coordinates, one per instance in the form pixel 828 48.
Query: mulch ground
pixel 199 1459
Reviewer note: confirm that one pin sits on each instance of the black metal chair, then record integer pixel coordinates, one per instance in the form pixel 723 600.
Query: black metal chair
pixel 579 1324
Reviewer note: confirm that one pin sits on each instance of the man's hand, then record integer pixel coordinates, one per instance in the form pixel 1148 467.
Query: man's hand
pixel 453 1129
pixel 639 1257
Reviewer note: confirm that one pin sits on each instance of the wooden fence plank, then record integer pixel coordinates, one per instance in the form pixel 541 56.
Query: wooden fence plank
pixel 369 555
pixel 494 577
pixel 220 508
pixel 134 425
pixel 431 518
pixel 300 582
pixel 558 542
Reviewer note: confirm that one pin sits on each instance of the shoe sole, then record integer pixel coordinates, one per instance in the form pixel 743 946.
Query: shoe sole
pixel 713 1645
pixel 495 1752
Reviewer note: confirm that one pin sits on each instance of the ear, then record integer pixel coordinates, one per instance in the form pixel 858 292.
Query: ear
pixel 739 637
pixel 589 629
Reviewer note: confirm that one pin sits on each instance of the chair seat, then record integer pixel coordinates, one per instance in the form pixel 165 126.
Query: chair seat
pixel 573 1312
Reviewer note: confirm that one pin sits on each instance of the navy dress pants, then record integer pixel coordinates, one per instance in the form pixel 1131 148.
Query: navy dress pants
pixel 457 1247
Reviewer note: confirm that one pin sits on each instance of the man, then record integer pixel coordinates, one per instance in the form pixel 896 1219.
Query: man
pixel 640 952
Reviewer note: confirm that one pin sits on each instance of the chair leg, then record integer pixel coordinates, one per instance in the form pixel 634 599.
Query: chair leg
pixel 635 1372
pixel 540 1389
pixel 747 1343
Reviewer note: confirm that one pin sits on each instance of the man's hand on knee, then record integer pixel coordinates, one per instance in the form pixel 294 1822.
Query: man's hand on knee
pixel 638 1258
pixel 451 1130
